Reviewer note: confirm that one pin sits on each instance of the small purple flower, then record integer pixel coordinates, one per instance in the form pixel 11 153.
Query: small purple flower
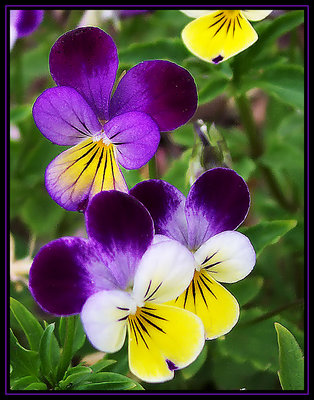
pixel 118 279
pixel 23 23
pixel 105 129
pixel 205 223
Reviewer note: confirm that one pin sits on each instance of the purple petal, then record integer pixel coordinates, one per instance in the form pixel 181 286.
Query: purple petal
pixel 136 137
pixel 159 88
pixel 122 229
pixel 165 204
pixel 63 116
pixel 218 201
pixel 26 21
pixel 86 59
pixel 65 273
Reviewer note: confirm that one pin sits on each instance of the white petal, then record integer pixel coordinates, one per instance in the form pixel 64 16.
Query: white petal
pixel 13 36
pixel 164 272
pixel 160 238
pixel 228 256
pixel 256 15
pixel 197 13
pixel 104 318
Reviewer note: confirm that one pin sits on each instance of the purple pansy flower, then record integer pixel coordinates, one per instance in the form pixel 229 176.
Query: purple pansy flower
pixel 118 279
pixel 205 223
pixel 23 23
pixel 105 129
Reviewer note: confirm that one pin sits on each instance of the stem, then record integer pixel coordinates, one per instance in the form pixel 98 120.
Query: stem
pixel 17 71
pixel 257 149
pixel 66 355
pixel 152 168
pixel 270 314
pixel 275 189
pixel 249 125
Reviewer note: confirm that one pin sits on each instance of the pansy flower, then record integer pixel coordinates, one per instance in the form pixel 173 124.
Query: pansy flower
pixel 205 223
pixel 105 130
pixel 23 23
pixel 118 280
pixel 216 35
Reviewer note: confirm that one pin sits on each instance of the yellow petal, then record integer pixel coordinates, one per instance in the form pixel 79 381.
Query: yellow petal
pixel 80 172
pixel 162 338
pixel 216 307
pixel 219 36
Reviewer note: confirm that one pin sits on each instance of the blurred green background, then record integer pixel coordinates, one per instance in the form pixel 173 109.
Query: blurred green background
pixel 260 90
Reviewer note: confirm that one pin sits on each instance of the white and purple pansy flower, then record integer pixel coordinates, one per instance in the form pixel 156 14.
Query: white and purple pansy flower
pixel 119 280
pixel 105 129
pixel 205 223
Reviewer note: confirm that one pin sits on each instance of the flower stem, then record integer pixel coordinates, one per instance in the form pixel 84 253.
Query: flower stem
pixel 257 149
pixel 273 313
pixel 66 354
pixel 247 119
pixel 152 168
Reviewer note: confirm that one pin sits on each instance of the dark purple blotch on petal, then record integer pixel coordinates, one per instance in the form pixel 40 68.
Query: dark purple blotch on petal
pixel 122 228
pixel 165 204
pixel 59 280
pixel 161 89
pixel 218 201
pixel 86 59
pixel 171 365
pixel 217 59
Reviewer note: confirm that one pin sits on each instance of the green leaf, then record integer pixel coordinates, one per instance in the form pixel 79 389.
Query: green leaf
pixel 19 113
pixel 253 340
pixel 24 362
pixel 291 360
pixel 79 334
pixel 262 51
pixel 29 324
pixel 184 135
pixel 176 174
pixel 171 49
pixel 37 386
pixel 38 208
pixel 109 381
pixel 49 353
pixel 193 368
pixel 214 86
pixel 228 374
pixel 244 166
pixel 266 233
pixel 102 364
pixel 278 27
pixel 284 82
pixel 247 289
pixel 74 376
pixel 22 383
pixel 131 176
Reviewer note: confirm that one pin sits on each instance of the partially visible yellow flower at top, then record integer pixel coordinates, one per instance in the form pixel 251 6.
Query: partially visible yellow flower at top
pixel 216 35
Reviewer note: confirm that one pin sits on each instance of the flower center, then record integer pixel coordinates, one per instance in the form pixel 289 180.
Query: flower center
pixel 135 304
pixel 101 137
pixel 200 288
pixel 231 13
pixel 145 323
